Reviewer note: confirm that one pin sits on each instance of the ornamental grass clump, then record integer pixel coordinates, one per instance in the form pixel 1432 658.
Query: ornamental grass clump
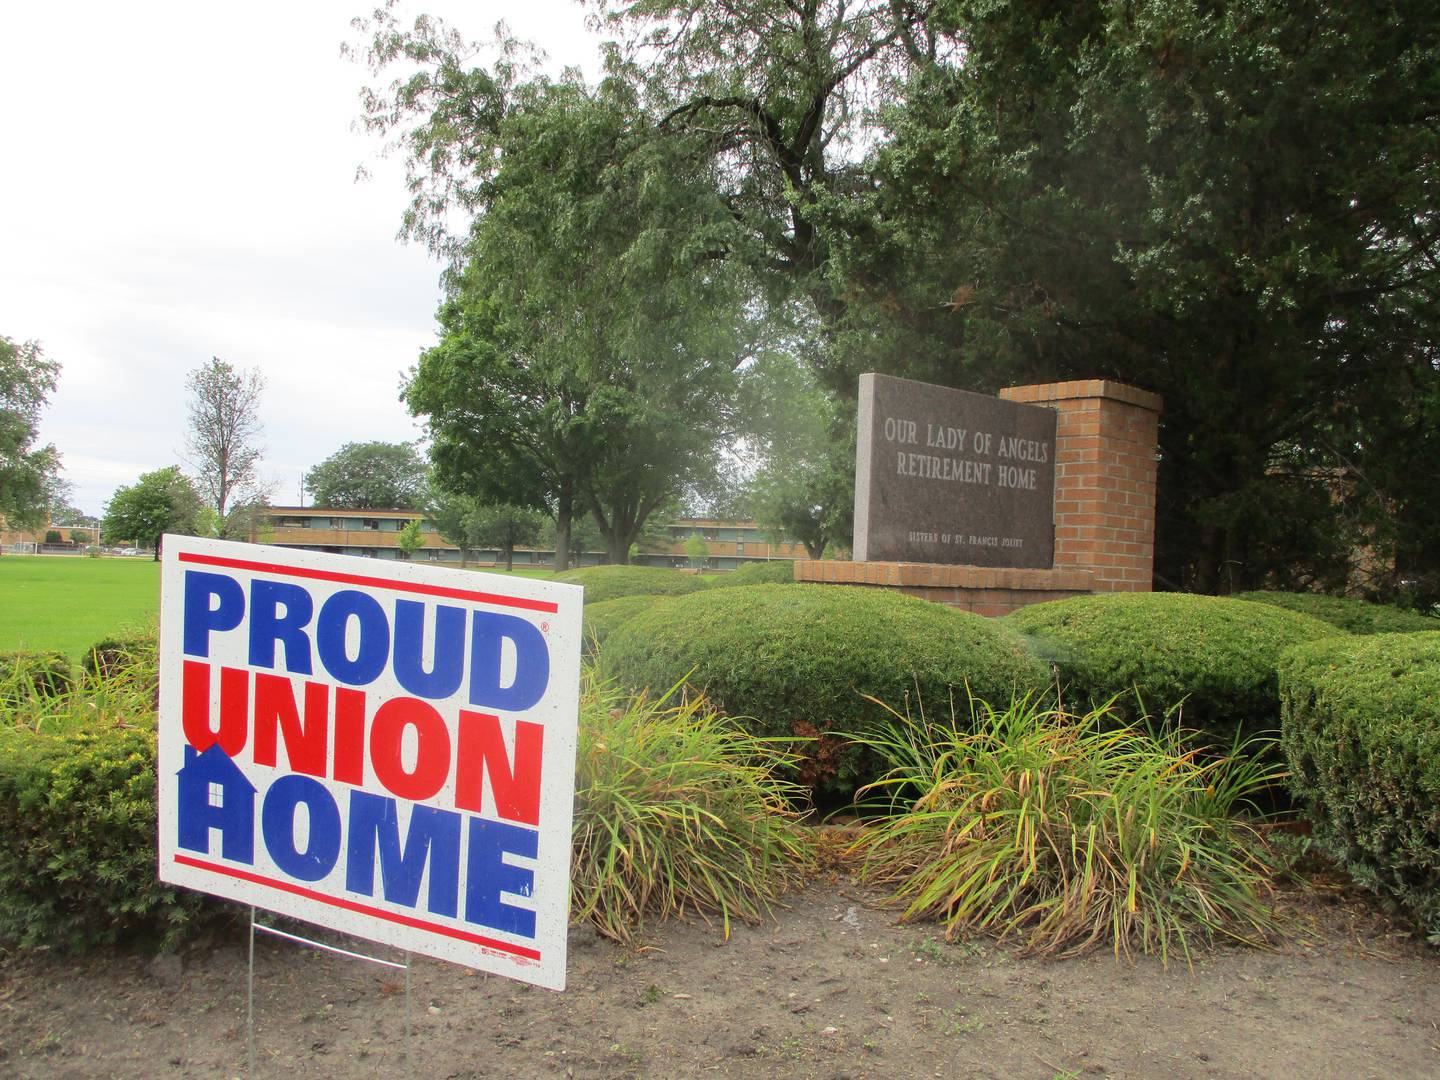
pixel 124 697
pixel 1065 832
pixel 677 812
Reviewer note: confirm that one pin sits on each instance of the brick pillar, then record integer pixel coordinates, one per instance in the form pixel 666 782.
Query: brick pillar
pixel 1105 443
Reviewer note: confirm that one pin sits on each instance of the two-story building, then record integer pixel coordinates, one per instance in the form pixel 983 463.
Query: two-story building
pixel 375 534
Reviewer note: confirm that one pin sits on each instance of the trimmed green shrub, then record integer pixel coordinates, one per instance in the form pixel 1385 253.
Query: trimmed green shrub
pixel 1211 657
pixel 124 652
pixel 598 620
pixel 1066 832
pixel 607 582
pixel 77 841
pixel 677 811
pixel 25 675
pixel 1361 731
pixel 1354 616
pixel 799 660
pixel 774 572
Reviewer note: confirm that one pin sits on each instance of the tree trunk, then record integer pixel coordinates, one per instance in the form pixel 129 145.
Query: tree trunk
pixel 509 557
pixel 564 510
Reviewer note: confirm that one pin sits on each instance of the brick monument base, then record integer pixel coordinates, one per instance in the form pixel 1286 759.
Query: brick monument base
pixel 1105 443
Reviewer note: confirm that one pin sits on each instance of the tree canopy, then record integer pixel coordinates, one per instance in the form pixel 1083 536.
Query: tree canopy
pixel 159 502
pixel 370 476
pixel 802 442
pixel 224 436
pixel 29 474
pixel 1229 203
pixel 589 340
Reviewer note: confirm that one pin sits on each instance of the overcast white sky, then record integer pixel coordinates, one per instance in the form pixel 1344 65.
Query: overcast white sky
pixel 178 183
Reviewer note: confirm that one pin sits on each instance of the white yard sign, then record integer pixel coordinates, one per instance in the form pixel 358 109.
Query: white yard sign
pixel 386 749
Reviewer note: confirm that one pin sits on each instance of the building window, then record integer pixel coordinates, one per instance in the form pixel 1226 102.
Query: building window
pixel 373 524
pixel 337 523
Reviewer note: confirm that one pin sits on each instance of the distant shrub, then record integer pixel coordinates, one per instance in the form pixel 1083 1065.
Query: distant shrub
pixel 677 811
pixel 798 661
pixel 1361 731
pixel 25 675
pixel 1215 655
pixel 599 620
pixel 607 582
pixel 77 841
pixel 1354 616
pixel 773 572
pixel 1065 832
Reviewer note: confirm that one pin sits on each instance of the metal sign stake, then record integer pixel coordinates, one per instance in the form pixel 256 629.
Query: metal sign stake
pixel 323 947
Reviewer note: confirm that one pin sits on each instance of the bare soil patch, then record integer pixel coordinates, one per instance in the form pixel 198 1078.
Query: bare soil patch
pixel 831 989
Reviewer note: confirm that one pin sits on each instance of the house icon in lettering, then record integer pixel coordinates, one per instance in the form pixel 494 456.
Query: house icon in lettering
pixel 215 794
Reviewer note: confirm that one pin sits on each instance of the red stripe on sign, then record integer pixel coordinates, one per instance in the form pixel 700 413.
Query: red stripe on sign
pixel 372 582
pixel 362 909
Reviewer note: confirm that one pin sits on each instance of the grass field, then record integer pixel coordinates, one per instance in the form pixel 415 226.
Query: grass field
pixel 69 603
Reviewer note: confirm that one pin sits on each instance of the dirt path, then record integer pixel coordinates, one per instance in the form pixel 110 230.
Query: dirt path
pixel 831 989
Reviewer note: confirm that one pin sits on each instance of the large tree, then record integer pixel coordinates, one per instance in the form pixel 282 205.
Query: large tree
pixel 370 476
pixel 159 502
pixel 1229 203
pixel 589 339
pixel 774 101
pixel 802 446
pixel 29 475
pixel 223 442
pixel 505 528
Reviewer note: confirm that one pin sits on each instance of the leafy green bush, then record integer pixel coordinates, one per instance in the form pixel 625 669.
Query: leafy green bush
pixel 1065 832
pixel 28 675
pixel 773 572
pixel 1354 616
pixel 676 811
pixel 600 619
pixel 1361 731
pixel 77 840
pixel 111 656
pixel 799 659
pixel 1215 655
pixel 607 582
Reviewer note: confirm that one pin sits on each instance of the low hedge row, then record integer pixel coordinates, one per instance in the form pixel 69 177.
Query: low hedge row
pixel 800 661
pixel 774 572
pixel 1361 731
pixel 1353 616
pixel 1211 657
pixel 607 582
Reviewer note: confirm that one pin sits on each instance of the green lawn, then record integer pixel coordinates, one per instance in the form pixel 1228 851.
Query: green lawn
pixel 71 602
